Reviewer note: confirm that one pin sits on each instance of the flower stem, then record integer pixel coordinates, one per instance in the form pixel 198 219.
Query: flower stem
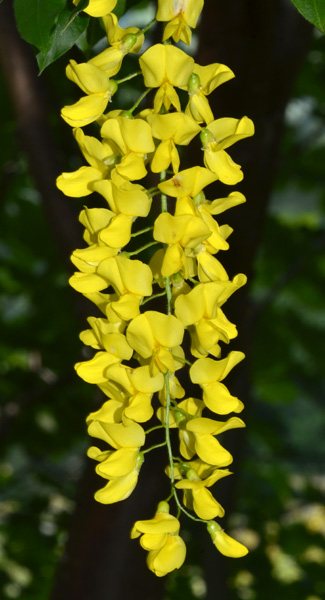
pixel 140 99
pixel 141 231
pixel 154 447
pixel 148 26
pixel 152 297
pixel 128 77
pixel 142 248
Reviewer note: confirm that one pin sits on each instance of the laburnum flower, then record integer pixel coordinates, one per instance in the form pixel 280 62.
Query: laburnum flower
pixel 201 432
pixel 171 129
pixel 165 66
pixel 105 227
pixel 227 545
pixel 98 8
pixel 182 16
pixel 221 134
pixel 131 280
pixel 94 370
pixel 130 392
pixel 122 466
pixel 121 41
pixel 99 156
pixel 202 82
pixel 200 312
pixel 183 231
pixel 195 477
pixel 196 433
pixel 160 537
pixel 128 198
pixel 99 89
pixel 209 373
pixel 187 183
pixel 156 337
pixel 219 205
pixel 131 141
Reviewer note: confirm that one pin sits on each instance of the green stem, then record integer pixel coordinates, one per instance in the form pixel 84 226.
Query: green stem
pixel 180 507
pixel 128 77
pixel 154 428
pixel 148 26
pixel 154 447
pixel 152 297
pixel 140 99
pixel 143 248
pixel 141 231
pixel 181 359
pixel 193 280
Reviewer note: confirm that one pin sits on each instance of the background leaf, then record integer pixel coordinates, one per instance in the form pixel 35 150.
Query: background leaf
pixel 66 34
pixel 313 11
pixel 36 20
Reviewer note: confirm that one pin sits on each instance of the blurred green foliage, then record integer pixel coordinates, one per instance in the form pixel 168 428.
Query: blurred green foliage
pixel 279 511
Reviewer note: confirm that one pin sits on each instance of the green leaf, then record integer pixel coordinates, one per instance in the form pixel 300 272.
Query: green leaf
pixel 66 34
pixel 36 20
pixel 119 9
pixel 313 11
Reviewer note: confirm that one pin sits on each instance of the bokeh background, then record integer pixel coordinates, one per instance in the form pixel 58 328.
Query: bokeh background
pixel 55 542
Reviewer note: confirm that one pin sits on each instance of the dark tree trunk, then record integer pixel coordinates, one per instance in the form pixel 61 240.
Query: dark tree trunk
pixel 264 43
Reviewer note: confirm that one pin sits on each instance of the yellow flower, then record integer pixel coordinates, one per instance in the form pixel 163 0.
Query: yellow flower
pixel 94 370
pixel 130 392
pixel 121 41
pixel 172 128
pixel 178 232
pixel 221 134
pixel 167 550
pixel 156 336
pixel 208 374
pixel 227 545
pixel 201 83
pixel 206 445
pixel 121 468
pixel 187 183
pixel 127 199
pixel 200 312
pixel 131 141
pixel 198 476
pixel 100 157
pixel 167 558
pixel 165 66
pixel 182 15
pixel 98 8
pixel 99 89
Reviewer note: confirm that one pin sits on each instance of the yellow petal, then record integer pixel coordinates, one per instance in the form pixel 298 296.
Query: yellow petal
pixel 228 546
pixel 117 489
pixel 86 110
pixel 76 184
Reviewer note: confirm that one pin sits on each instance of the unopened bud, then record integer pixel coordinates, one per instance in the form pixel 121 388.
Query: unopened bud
pixel 193 84
pixel 163 507
pixel 206 137
pixel 128 42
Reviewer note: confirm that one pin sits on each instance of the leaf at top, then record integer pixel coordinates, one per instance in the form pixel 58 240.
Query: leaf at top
pixel 313 11
pixel 36 20
pixel 66 34
pixel 119 9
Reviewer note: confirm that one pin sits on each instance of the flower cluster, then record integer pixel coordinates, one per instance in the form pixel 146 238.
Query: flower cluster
pixel 139 350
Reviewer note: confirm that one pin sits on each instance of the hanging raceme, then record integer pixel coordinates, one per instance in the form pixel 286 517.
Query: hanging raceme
pixel 139 349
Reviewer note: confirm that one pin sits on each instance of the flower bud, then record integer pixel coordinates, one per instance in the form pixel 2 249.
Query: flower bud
pixel 206 137
pixel 163 507
pixel 129 40
pixel 193 84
